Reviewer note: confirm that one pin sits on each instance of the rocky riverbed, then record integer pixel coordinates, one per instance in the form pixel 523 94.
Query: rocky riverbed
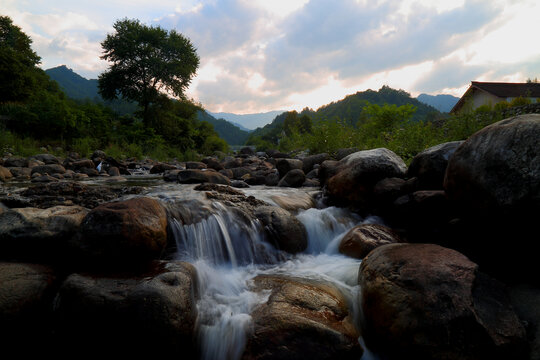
pixel 264 256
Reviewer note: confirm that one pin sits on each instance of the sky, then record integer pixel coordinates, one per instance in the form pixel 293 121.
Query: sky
pixel 263 55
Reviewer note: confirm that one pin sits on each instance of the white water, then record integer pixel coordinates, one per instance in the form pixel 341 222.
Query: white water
pixel 228 253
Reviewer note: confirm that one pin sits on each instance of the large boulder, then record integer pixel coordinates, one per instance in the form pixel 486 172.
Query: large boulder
pixel 362 239
pixel 201 176
pixel 46 158
pixel 429 166
pixel 493 180
pixel 16 161
pixel 48 169
pixel 150 315
pixel 301 319
pixel 282 229
pixel 312 160
pixel 286 165
pixel 26 302
pixel 358 173
pixel 423 301
pixel 294 178
pixel 38 234
pixel 498 168
pixel 128 232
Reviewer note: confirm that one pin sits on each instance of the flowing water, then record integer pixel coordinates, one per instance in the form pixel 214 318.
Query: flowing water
pixel 228 251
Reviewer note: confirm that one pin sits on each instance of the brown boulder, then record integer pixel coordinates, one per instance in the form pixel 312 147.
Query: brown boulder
pixel 423 301
pixel 125 232
pixel 202 176
pixel 282 229
pixel 301 319
pixel 361 239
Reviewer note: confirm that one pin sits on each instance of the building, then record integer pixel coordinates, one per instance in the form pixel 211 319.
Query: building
pixel 491 93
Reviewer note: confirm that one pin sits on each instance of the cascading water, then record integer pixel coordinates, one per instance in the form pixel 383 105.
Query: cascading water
pixel 228 251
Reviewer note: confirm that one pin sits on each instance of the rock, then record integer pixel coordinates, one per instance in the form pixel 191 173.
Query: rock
pixel 26 298
pixel 48 169
pixel 497 169
pixel 113 171
pixel 171 175
pixel 294 178
pixel 98 156
pixel 5 174
pixel 213 163
pixel 362 239
pixel 202 176
pixel 429 166
pixel 282 229
pixel 423 301
pixel 161 168
pixel 328 169
pixel 239 184
pixel 341 153
pixel 33 234
pixel 246 150
pixel 301 319
pixel 20 172
pixel 16 161
pixel 294 202
pixel 310 161
pixel 43 179
pixel 130 232
pixel 271 179
pixel 239 172
pixel 46 158
pixel 156 312
pixel 195 165
pixel 71 192
pixel 358 173
pixel 526 301
pixel 286 165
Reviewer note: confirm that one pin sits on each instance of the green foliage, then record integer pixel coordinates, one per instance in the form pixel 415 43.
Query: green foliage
pixel 146 61
pixel 520 101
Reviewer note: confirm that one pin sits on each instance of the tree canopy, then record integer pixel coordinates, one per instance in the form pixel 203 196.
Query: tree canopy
pixel 147 62
pixel 17 62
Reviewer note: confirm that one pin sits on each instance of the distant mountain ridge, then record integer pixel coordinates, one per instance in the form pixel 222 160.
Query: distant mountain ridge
pixel 249 121
pixel 80 88
pixel 443 102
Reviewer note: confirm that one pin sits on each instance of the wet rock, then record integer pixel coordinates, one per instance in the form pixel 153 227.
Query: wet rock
pixel 358 173
pixel 195 165
pixel 5 174
pixel 200 176
pixel 33 234
pixel 124 233
pixel 239 184
pixel 286 165
pixel 312 160
pixel 328 169
pixel 48 169
pixel 16 161
pixel 294 202
pixel 362 239
pixel 272 179
pixel 46 158
pixel 114 171
pixel 423 301
pixel 156 311
pixel 301 319
pixel 282 229
pixel 341 153
pixel 429 166
pixel 26 298
pixel 213 163
pixel 161 168
pixel 497 169
pixel 294 178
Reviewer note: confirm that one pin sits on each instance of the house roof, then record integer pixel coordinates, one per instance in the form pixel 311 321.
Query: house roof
pixel 506 90
pixel 500 89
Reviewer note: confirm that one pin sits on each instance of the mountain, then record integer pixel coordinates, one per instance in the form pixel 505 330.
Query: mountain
pixel 79 88
pixel 229 132
pixel 350 108
pixel 74 85
pixel 248 121
pixel 443 103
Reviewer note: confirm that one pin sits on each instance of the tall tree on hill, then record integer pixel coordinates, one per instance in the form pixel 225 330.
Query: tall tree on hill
pixel 147 62
pixel 17 62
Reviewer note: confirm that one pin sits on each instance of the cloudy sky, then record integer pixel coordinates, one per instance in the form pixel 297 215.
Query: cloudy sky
pixel 262 55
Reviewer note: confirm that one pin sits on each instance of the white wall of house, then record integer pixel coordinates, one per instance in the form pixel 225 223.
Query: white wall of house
pixel 480 98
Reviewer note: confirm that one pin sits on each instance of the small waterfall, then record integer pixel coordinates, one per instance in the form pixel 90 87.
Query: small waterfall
pixel 223 237
pixel 228 251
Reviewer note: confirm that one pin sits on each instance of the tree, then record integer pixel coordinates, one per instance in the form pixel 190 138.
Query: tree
pixel 18 62
pixel 146 62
